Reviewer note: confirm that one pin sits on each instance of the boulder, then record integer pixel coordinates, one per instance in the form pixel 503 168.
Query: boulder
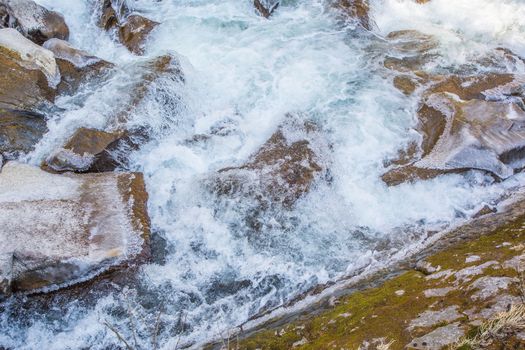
pixel 134 31
pixel 32 20
pixel 61 229
pixel 109 16
pixel 282 170
pixel 356 10
pixel 81 151
pixel 469 123
pixel 91 150
pixel 76 66
pixel 266 7
pixel 19 132
pixel 29 72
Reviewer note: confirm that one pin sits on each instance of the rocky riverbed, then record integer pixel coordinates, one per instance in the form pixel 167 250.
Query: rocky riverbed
pixel 263 174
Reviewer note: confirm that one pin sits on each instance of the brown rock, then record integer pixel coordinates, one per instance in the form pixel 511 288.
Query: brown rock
pixel 134 31
pixel 405 84
pixel 76 66
pixel 81 151
pixel 412 173
pixel 32 20
pixel 480 131
pixel 162 67
pixel 29 73
pixel 266 7
pixel 410 50
pixel 356 9
pixel 19 132
pixel 62 229
pixel 108 18
pixel 472 87
pixel 283 169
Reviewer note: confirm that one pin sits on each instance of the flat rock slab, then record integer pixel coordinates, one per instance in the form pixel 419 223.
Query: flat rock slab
pixel 61 229
pixel 438 338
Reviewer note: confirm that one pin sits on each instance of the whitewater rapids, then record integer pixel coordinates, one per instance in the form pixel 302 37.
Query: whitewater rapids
pixel 244 73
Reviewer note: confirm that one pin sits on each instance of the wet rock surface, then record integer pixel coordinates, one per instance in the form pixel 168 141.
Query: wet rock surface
pixel 61 229
pixel 76 66
pixel 91 150
pixel 81 151
pixel 468 123
pixel 32 20
pixel 155 75
pixel 134 31
pixel 19 132
pixel 355 10
pixel 266 7
pixel 29 73
pixel 131 29
pixel 282 170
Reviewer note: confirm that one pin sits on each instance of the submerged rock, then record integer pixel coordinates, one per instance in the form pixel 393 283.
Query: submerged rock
pixel 266 7
pixel 76 66
pixel 134 31
pixel 19 132
pixel 282 170
pixel 29 72
pixel 152 74
pixel 356 9
pixel 61 229
pixel 32 20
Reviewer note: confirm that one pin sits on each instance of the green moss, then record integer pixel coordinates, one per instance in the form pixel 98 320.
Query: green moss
pixel 380 313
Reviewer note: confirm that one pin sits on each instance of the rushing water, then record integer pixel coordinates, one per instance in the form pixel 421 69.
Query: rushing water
pixel 245 73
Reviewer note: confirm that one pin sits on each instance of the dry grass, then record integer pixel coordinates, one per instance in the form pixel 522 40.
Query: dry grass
pixel 499 328
pixel 385 346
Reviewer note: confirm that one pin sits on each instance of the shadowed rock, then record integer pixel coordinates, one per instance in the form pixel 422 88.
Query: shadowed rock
pixel 32 20
pixel 29 72
pixel 19 132
pixel 76 66
pixel 61 229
